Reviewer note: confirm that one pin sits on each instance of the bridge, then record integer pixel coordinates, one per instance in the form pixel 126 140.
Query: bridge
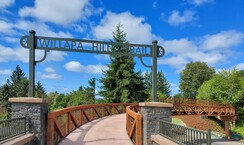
pixel 122 122
pixel 62 122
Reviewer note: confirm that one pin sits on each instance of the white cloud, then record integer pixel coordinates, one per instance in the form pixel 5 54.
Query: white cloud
pixel 6 3
pixel 22 54
pixel 52 76
pixel 6 28
pixel 199 2
pixel 182 51
pixel 175 61
pixel 59 11
pixel 41 29
pixel 9 54
pixel 222 40
pixel 75 66
pixel 240 66
pixel 49 70
pixel 175 19
pixel 138 31
pixel 6 72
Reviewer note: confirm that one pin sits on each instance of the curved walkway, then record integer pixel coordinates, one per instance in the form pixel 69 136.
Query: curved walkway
pixel 105 131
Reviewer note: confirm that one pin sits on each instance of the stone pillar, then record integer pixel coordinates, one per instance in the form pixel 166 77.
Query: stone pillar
pixel 152 113
pixel 35 109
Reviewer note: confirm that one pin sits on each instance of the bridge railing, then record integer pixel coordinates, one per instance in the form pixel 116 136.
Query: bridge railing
pixel 12 127
pixel 184 135
pixel 134 124
pixel 63 121
pixel 195 102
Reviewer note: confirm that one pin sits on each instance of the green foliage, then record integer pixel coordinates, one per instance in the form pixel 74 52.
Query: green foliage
pixel 239 129
pixel 193 76
pixel 162 84
pixel 120 83
pixel 40 91
pixel 4 116
pixel 17 86
pixel 226 87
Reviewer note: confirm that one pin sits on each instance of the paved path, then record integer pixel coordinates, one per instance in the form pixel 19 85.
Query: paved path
pixel 105 131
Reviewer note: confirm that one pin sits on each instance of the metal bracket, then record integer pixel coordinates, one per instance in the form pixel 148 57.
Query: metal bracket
pixel 44 57
pixel 149 66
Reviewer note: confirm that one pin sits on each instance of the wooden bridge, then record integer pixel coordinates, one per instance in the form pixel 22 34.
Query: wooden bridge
pixel 62 122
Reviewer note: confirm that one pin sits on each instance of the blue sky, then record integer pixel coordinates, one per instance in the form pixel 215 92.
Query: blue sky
pixel 190 30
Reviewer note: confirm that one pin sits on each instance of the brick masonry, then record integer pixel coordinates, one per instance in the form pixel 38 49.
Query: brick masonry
pixel 36 113
pixel 151 115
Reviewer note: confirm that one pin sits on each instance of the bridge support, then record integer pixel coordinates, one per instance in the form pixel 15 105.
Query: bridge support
pixel 152 113
pixel 35 109
pixel 227 120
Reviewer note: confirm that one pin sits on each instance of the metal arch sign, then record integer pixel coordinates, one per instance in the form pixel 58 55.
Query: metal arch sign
pixel 89 46
pixel 33 42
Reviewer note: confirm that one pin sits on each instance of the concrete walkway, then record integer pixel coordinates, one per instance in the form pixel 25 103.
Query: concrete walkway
pixel 105 131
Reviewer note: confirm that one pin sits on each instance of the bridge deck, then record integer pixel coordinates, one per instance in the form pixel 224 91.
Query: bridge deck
pixel 108 131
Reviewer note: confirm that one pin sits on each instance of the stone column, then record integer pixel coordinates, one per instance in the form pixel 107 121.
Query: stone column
pixel 152 113
pixel 35 109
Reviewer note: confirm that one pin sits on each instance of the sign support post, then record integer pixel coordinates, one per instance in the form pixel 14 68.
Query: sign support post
pixel 154 70
pixel 31 43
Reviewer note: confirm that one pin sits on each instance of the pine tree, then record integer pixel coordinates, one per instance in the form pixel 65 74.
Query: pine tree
pixel 90 91
pixel 17 86
pixel 163 86
pixel 40 91
pixel 18 83
pixel 120 82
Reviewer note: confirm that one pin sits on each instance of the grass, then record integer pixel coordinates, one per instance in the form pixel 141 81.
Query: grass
pixel 239 129
pixel 176 120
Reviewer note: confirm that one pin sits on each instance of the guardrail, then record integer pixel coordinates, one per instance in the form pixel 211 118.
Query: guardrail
pixel 134 124
pixel 184 135
pixel 62 122
pixel 12 127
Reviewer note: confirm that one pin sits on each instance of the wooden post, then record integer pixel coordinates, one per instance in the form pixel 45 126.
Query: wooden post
pixel 67 123
pixel 227 128
pixel 81 117
pixel 139 130
pixel 50 132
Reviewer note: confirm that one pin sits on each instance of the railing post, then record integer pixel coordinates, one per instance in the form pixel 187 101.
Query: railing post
pixel 81 117
pixel 50 132
pixel 139 130
pixel 209 137
pixel 67 123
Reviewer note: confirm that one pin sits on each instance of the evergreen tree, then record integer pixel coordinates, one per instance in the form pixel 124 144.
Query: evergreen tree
pixel 90 92
pixel 17 86
pixel 18 83
pixel 40 91
pixel 163 87
pixel 120 82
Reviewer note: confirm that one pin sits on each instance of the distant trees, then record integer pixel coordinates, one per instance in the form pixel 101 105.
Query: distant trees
pixel 162 85
pixel 226 87
pixel 193 76
pixel 40 90
pixel 120 83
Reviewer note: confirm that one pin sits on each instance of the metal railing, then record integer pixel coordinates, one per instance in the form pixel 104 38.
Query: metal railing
pixel 12 127
pixel 184 135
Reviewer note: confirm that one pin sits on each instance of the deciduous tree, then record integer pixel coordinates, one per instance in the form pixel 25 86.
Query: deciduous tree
pixel 193 76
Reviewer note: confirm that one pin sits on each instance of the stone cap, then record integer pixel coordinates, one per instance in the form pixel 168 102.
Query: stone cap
pixel 27 100
pixel 156 104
